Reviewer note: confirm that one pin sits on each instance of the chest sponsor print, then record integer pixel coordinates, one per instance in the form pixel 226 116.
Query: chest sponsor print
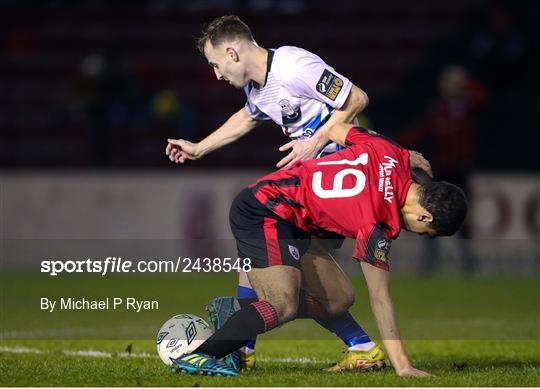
pixel 385 183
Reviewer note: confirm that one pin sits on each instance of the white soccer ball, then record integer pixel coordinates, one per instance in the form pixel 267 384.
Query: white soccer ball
pixel 181 334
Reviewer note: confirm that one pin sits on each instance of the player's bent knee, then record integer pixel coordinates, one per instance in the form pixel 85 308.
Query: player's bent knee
pixel 286 308
pixel 287 313
pixel 280 286
pixel 340 304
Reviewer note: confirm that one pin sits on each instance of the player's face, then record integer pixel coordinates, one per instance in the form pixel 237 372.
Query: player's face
pixel 226 64
pixel 419 221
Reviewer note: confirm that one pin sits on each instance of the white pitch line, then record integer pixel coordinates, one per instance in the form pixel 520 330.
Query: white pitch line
pixel 76 353
pixel 20 350
pixel 103 354
pixel 302 360
pixel 62 332
pixel 87 353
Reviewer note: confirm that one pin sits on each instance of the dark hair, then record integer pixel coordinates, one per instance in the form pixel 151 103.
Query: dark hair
pixel 447 204
pixel 228 27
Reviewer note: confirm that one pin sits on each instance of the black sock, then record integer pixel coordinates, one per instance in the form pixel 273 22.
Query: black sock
pixel 245 324
pixel 244 302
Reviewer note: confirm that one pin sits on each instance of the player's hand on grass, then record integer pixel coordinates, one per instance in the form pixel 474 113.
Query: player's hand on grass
pixel 180 150
pixel 417 160
pixel 302 150
pixel 412 372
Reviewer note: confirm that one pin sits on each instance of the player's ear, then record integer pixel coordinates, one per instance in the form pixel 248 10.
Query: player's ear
pixel 232 54
pixel 425 216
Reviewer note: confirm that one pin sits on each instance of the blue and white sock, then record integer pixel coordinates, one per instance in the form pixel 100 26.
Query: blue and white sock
pixel 350 332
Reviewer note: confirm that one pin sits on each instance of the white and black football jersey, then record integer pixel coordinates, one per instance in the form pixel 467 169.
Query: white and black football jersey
pixel 300 93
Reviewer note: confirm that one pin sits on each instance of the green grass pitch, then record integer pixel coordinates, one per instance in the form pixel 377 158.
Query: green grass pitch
pixel 466 331
pixel 282 363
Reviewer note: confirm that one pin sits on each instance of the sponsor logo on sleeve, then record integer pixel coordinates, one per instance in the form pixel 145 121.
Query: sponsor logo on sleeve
pixel 329 85
pixel 381 251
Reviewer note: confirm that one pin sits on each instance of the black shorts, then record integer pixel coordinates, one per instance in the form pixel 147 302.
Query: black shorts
pixel 267 239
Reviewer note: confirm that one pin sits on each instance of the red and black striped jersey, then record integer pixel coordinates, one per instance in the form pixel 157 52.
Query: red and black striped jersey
pixel 356 192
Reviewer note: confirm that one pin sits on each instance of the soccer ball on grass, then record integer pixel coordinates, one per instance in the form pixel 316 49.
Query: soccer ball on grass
pixel 179 335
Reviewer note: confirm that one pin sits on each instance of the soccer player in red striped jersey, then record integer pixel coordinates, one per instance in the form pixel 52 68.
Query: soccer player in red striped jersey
pixel 363 192
pixel 303 94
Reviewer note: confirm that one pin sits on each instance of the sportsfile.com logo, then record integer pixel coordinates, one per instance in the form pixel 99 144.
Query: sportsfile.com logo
pixel 112 265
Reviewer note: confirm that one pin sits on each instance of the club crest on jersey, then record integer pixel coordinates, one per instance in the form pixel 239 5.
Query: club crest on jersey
pixel 289 114
pixel 329 85
pixel 294 252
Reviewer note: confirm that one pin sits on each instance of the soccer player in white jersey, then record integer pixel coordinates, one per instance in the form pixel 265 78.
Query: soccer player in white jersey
pixel 305 96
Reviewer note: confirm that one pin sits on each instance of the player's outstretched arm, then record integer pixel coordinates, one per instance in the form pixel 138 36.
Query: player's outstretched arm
pixel 356 102
pixel 378 283
pixel 338 133
pixel 239 124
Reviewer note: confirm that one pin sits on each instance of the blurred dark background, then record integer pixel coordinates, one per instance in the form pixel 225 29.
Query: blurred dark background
pixel 105 83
